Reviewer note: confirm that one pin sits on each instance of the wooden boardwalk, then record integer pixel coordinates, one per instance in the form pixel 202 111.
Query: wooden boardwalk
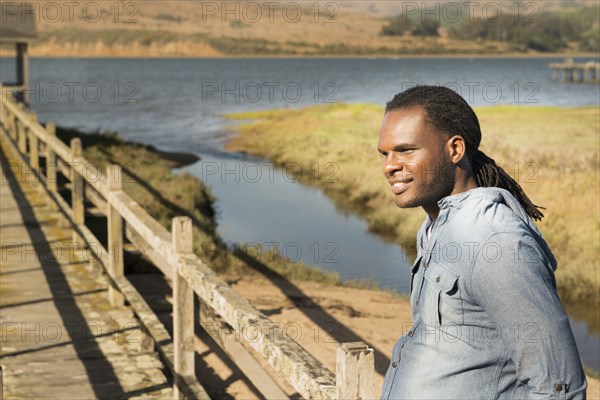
pixel 64 329
pixel 60 337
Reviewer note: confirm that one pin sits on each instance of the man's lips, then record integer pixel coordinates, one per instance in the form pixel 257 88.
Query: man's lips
pixel 399 186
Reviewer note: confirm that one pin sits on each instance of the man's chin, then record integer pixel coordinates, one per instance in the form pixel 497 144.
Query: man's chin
pixel 405 203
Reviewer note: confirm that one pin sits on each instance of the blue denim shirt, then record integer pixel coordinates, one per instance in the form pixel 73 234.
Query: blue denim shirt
pixel 487 322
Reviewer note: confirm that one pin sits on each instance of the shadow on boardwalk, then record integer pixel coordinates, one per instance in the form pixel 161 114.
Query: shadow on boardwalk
pixel 62 338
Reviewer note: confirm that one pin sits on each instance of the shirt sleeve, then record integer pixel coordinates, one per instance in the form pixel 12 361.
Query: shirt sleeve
pixel 513 282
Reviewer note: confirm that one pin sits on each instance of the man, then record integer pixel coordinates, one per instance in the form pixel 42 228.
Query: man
pixel 487 320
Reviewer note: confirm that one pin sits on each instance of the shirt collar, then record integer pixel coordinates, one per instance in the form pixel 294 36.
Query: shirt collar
pixel 457 200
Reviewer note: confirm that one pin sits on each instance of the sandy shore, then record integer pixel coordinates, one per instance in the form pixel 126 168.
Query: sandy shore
pixel 216 55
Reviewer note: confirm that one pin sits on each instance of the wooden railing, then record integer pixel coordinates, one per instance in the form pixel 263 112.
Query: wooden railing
pixel 220 305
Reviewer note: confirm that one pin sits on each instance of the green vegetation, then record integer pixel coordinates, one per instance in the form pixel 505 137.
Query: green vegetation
pixel 575 28
pixel 241 46
pixel 229 45
pixel 111 36
pixel 401 25
pixel 164 195
pixel 551 152
pixel 550 31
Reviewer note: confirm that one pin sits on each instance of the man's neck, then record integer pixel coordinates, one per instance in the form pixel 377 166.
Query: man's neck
pixel 459 187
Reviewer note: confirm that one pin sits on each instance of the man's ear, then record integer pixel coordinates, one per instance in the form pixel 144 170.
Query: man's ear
pixel 457 148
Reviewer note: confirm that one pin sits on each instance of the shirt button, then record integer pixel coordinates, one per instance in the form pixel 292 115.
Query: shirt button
pixel 438 279
pixel 410 333
pixel 417 302
pixel 425 266
pixel 394 364
pixel 558 387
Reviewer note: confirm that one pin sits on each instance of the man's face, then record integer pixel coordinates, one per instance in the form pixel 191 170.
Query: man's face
pixel 415 159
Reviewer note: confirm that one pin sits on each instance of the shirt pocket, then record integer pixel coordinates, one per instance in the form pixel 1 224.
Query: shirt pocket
pixel 443 297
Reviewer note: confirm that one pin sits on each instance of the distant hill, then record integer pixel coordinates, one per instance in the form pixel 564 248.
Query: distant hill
pixel 389 8
pixel 182 28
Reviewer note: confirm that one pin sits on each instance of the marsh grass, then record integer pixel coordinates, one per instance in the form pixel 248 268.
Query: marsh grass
pixel 551 152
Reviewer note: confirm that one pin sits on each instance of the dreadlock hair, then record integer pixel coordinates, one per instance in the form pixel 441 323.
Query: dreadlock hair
pixel 449 113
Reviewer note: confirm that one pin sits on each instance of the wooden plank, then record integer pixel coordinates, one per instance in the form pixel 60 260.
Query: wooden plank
pixel 77 200
pixel 225 337
pixel 116 266
pixel 34 157
pixel 183 308
pixel 75 363
pixel 149 229
pixel 51 176
pixel 142 246
pixel 96 199
pixel 63 168
pixel 355 371
pixel 20 115
pixel 22 135
pixel 304 372
pixel 191 387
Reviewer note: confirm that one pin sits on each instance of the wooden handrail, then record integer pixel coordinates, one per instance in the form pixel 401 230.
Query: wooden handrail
pixel 302 370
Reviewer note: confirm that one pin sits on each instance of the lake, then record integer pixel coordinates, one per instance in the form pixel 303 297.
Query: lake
pixel 178 104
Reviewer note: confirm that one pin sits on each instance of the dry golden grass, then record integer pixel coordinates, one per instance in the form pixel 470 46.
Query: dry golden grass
pixel 158 28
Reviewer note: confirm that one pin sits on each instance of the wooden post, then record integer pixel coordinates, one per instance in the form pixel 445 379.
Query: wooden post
pixel 355 370
pixel 77 198
pixel 12 131
pixel 183 307
pixel 51 178
pixel 1 382
pixel 23 70
pixel 116 266
pixel 13 127
pixel 22 137
pixel 34 155
pixel 3 115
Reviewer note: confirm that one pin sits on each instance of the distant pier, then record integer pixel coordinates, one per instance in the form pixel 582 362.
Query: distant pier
pixel 570 71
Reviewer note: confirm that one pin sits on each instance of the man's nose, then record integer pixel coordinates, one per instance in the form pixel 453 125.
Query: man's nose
pixel 391 165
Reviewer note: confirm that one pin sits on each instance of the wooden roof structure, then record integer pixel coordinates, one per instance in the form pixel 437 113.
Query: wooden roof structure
pixel 17 27
pixel 17 24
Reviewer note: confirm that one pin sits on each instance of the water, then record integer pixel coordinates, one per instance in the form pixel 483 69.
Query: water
pixel 177 104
